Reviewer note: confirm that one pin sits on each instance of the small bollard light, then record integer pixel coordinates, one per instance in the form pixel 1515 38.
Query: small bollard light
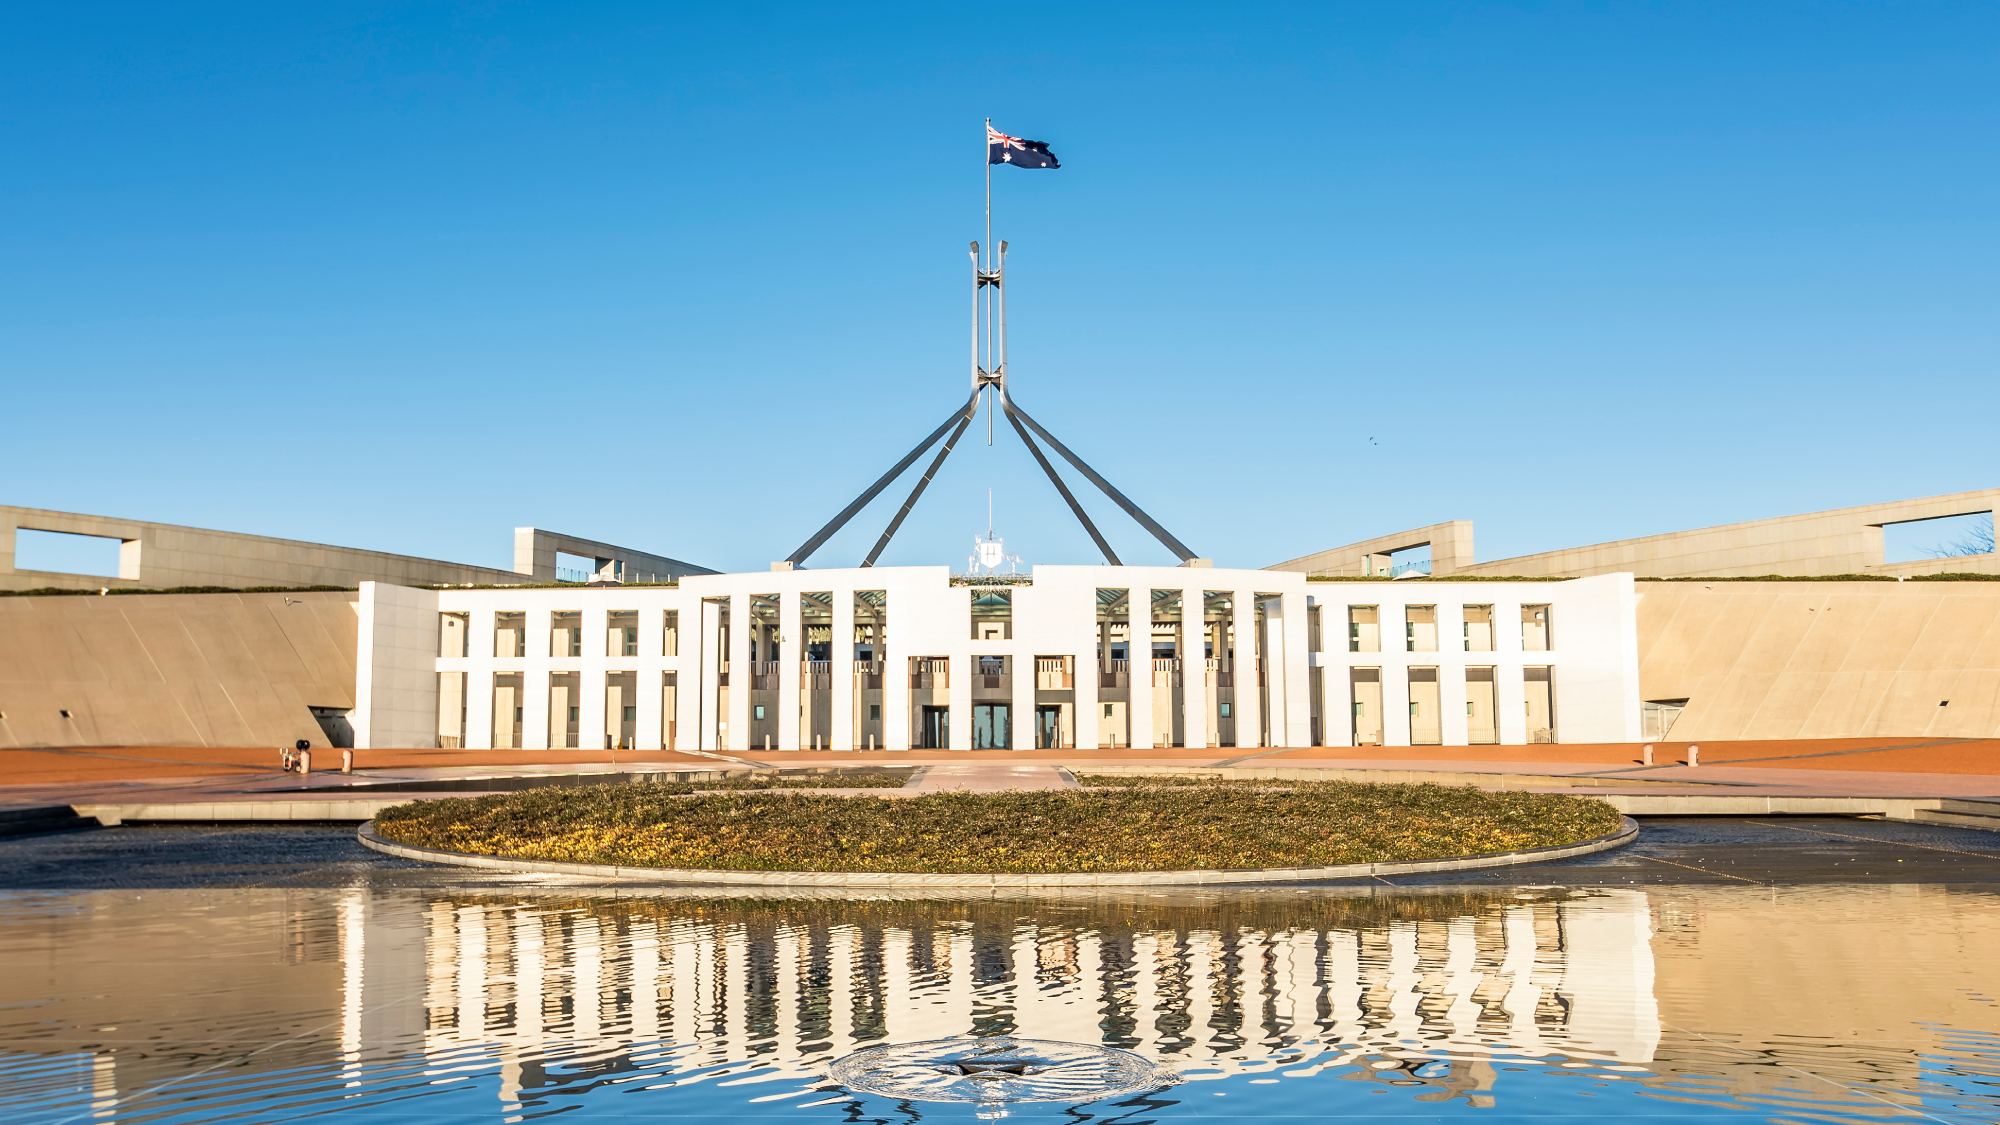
pixel 347 761
pixel 1646 754
pixel 305 762
pixel 1694 755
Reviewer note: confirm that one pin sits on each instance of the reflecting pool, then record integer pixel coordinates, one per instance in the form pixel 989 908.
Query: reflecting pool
pixel 505 1002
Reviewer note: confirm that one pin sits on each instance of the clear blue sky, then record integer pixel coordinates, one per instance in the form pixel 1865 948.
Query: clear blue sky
pixel 688 277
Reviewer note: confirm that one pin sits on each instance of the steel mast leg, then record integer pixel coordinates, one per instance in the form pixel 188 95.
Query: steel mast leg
pixel 923 482
pixel 1152 525
pixel 1069 498
pixel 836 523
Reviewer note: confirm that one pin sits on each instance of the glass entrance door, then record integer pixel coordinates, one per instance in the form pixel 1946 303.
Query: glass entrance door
pixel 989 726
pixel 935 732
pixel 1048 728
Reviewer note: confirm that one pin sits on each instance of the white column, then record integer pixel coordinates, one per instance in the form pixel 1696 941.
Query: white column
pixel 650 680
pixel 1089 712
pixel 958 697
pixel 845 693
pixel 701 697
pixel 739 673
pixel 1021 708
pixel 1139 651
pixel 895 673
pixel 1295 672
pixel 535 682
pixel 1194 666
pixel 1248 711
pixel 791 650
pixel 590 680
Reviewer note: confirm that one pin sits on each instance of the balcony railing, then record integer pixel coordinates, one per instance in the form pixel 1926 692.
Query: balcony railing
pixel 1114 673
pixel 763 675
pixel 1053 675
pixel 930 674
pixel 816 675
pixel 868 674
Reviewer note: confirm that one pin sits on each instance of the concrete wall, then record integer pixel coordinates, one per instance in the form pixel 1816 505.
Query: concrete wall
pixel 1823 659
pixel 1450 544
pixel 1839 541
pixel 535 555
pixel 163 555
pixel 396 648
pixel 173 669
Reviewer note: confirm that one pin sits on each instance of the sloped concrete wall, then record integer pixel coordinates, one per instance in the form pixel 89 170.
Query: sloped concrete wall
pixel 1823 659
pixel 173 669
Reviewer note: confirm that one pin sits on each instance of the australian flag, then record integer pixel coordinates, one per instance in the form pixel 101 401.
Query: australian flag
pixel 1003 149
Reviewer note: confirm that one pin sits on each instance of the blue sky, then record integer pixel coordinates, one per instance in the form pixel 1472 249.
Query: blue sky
pixel 688 277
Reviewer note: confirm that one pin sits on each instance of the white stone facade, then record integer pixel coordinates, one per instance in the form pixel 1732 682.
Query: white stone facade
pixel 786 659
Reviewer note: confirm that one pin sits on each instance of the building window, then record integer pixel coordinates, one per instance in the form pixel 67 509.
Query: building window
pixel 1420 628
pixel 566 633
pixel 1478 628
pixel 1539 689
pixel 1537 628
pixel 670 636
pixel 1364 628
pixel 992 613
pixel 621 633
pixel 757 712
pixel 874 712
pixel 510 635
pixel 452 628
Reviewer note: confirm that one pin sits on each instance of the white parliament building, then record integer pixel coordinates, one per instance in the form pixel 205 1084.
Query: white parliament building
pixel 911 658
pixel 1084 657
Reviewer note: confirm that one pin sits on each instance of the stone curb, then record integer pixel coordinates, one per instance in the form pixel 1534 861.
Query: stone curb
pixel 1627 831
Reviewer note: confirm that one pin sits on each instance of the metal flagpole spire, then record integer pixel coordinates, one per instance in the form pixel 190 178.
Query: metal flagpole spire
pixel 989 388
pixel 986 162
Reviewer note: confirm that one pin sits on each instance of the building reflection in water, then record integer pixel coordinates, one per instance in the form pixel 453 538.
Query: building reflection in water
pixel 663 992
pixel 528 1003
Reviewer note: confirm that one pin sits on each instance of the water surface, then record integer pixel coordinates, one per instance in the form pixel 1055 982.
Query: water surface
pixel 389 993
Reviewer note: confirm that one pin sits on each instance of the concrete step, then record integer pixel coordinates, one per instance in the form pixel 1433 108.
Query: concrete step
pixel 1970 806
pixel 1989 821
pixel 36 820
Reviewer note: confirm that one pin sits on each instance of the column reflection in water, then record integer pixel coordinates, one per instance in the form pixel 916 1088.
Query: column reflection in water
pixel 679 991
pixel 529 1001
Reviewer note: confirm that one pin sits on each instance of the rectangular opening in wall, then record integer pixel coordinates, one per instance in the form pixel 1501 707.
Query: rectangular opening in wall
pixel 507 710
pixel 566 633
pixel 1482 706
pixel 1478 628
pixel 62 552
pixel 1365 694
pixel 1539 690
pixel 670 634
pixel 1426 721
pixel 1944 537
pixel 510 635
pixel 992 613
pixel 451 710
pixel 452 630
pixel 1364 628
pixel 1420 628
pixel 1537 628
pixel 1656 717
pixel 621 710
pixel 1409 560
pixel 565 711
pixel 575 568
pixel 621 632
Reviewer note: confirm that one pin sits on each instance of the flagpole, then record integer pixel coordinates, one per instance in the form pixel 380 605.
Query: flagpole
pixel 987 249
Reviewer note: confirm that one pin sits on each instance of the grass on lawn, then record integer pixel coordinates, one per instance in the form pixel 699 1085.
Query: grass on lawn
pixel 1136 827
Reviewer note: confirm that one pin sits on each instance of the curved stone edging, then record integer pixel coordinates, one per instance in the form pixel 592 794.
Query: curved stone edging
pixel 1626 833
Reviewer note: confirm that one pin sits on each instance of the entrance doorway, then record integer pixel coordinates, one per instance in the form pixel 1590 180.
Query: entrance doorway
pixel 990 727
pixel 1048 727
pixel 933 728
